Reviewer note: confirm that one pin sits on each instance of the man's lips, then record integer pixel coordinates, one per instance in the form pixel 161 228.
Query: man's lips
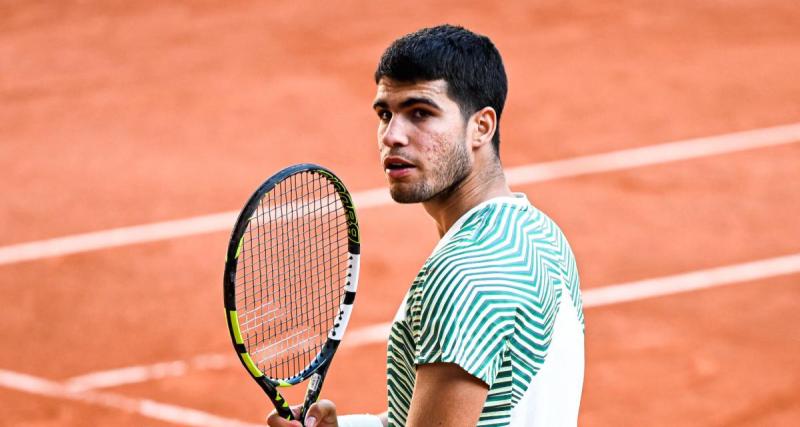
pixel 397 167
pixel 396 162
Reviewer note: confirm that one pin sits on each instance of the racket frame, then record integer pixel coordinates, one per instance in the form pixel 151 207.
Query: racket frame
pixel 318 368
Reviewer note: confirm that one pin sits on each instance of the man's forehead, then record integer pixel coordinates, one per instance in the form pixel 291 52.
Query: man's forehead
pixel 389 89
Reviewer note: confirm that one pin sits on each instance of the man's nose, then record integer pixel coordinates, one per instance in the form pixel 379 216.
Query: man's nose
pixel 394 133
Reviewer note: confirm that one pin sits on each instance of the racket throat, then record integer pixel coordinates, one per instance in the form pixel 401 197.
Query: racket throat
pixel 312 392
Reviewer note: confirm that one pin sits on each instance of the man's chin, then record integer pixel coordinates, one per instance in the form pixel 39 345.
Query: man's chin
pixel 403 194
pixel 401 197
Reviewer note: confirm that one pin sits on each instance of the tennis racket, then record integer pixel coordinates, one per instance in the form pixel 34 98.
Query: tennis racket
pixel 291 275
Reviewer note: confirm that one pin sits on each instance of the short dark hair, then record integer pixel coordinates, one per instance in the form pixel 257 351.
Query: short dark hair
pixel 468 62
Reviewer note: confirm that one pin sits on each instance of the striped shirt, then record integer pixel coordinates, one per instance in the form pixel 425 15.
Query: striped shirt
pixel 500 297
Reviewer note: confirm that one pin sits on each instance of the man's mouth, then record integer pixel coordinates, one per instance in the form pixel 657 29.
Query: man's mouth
pixel 397 167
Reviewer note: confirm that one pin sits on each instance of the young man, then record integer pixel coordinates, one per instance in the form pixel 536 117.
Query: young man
pixel 491 330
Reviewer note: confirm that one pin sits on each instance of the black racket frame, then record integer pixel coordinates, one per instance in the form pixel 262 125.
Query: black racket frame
pixel 318 368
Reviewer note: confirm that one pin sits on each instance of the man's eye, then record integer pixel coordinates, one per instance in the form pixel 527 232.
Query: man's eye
pixel 384 115
pixel 420 113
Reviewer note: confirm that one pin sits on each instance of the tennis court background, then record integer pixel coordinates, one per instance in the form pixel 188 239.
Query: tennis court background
pixel 116 114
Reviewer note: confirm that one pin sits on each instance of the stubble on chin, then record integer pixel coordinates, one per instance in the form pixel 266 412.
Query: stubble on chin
pixel 410 193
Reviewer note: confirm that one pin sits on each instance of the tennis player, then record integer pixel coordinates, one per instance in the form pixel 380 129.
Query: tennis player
pixel 491 329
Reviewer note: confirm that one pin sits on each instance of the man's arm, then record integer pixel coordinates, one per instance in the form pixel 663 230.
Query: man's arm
pixel 446 395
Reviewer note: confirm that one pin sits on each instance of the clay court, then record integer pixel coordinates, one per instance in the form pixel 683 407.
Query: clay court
pixel 131 133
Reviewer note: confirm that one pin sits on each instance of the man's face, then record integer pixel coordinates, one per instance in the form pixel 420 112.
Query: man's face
pixel 421 138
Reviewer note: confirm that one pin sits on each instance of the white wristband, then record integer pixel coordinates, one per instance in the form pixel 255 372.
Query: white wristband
pixel 359 420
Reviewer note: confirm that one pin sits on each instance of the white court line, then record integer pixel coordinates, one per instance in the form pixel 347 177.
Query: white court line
pixel 81 388
pixel 143 407
pixel 144 373
pixel 617 160
pixel 696 280
pixel 378 333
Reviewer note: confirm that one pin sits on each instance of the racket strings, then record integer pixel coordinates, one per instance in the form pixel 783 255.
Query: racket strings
pixel 306 241
pixel 291 273
pixel 286 209
pixel 297 338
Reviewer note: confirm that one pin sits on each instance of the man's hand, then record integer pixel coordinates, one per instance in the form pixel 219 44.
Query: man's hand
pixel 320 414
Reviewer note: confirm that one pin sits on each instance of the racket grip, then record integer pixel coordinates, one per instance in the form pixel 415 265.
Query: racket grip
pixel 284 413
pixel 312 393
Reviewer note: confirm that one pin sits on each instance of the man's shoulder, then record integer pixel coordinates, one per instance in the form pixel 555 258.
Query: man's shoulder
pixel 490 229
pixel 496 244
pixel 480 246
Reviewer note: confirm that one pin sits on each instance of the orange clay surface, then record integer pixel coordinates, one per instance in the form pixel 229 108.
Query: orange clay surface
pixel 117 114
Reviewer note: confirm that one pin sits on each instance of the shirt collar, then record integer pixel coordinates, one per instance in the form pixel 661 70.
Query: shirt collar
pixel 517 199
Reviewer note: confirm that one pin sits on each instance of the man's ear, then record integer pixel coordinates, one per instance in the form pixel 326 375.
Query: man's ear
pixel 483 125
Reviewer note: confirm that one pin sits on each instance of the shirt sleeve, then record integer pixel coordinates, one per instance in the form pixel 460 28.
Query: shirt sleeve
pixel 461 316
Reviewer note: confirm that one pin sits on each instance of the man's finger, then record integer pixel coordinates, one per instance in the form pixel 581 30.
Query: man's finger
pixel 275 420
pixel 321 414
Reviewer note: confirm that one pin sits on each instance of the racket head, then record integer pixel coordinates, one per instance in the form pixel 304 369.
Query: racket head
pixel 290 277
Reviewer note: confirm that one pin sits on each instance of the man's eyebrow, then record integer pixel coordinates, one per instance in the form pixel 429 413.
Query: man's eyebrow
pixel 380 104
pixel 407 103
pixel 421 100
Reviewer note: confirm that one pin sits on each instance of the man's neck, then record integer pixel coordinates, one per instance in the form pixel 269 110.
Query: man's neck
pixel 474 190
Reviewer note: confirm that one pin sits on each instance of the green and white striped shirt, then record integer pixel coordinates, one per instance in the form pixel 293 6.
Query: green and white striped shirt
pixel 500 297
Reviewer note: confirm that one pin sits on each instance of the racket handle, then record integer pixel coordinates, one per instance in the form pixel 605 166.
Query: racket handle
pixel 285 413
